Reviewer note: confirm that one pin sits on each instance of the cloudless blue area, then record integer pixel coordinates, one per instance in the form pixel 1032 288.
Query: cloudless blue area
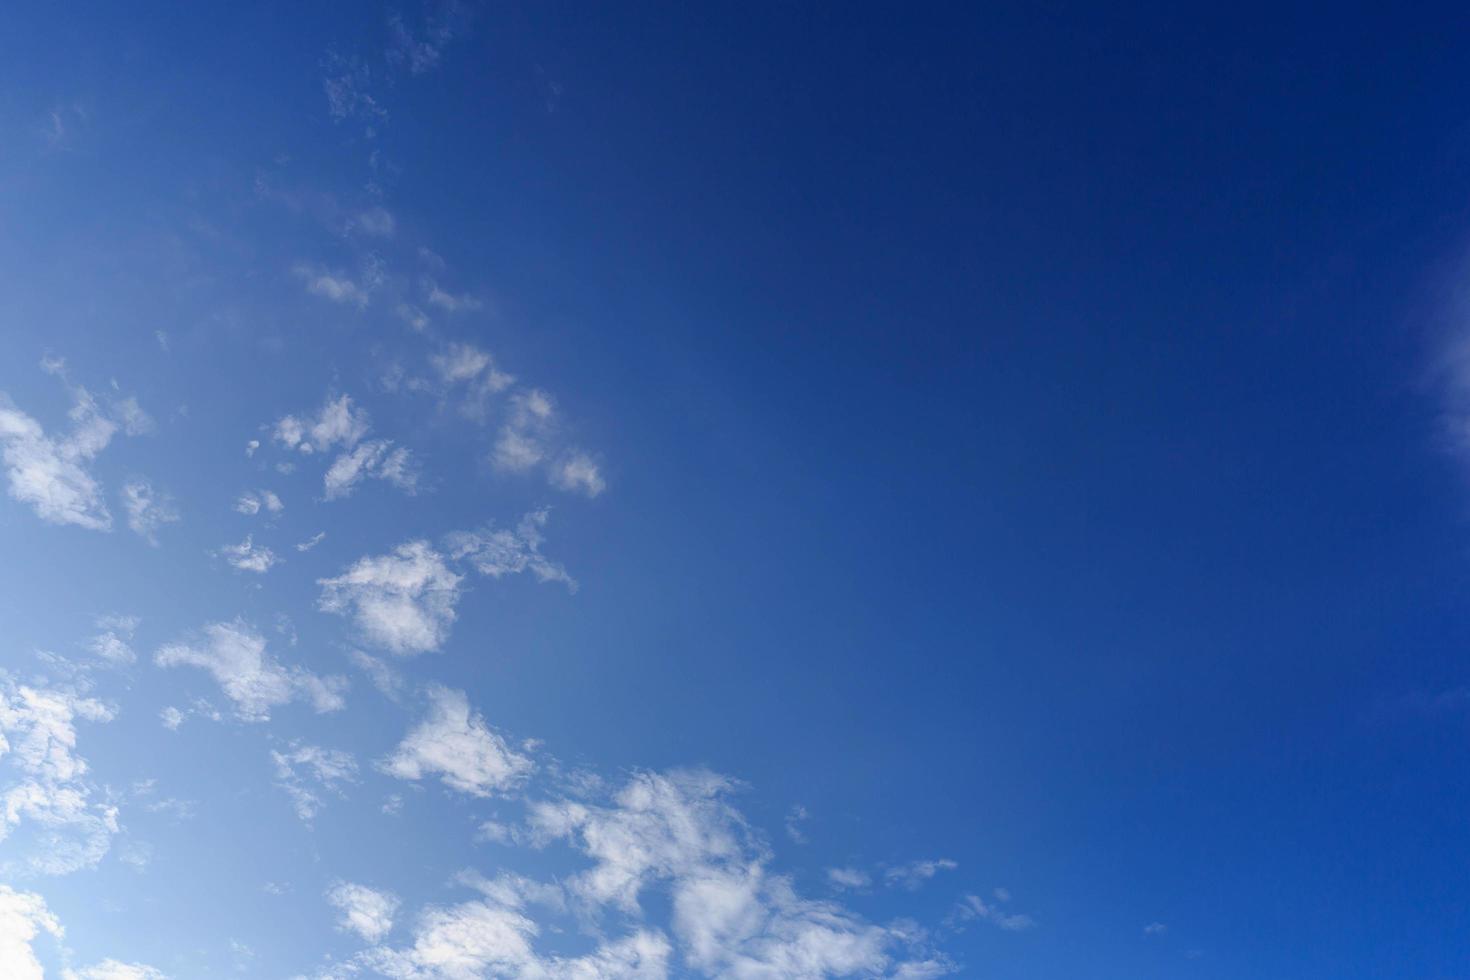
pixel 1016 419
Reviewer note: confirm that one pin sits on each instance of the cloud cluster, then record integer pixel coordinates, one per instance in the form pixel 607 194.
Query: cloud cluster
pixel 338 424
pixel 495 936
pixel 731 917
pixel 404 601
pixel 252 502
pixel 235 655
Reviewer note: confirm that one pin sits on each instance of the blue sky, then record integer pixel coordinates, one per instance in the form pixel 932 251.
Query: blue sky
pixel 740 491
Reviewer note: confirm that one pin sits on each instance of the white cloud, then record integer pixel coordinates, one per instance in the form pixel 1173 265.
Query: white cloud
pixel 250 676
pixel 248 556
pixel 51 799
pixel 312 541
pixel 23 917
pixel 577 471
pixel 848 878
pixel 527 440
pixel 469 369
pixel 732 918
pixel 915 873
pixel 366 911
pixel 338 286
pixel 421 50
pixel 251 447
pixel 173 717
pixel 50 473
pixel 402 601
pixel 301 769
pixel 148 509
pixel 973 908
pixel 460 362
pixel 449 302
pixel 795 817
pixel 658 826
pixel 521 443
pixel 456 744
pixel 494 937
pixel 375 458
pixel 500 551
pixel 347 85
pixel 376 222
pixel 252 502
pixel 1155 929
pixel 111 643
pixel 336 423
pixel 413 316
pixel 387 680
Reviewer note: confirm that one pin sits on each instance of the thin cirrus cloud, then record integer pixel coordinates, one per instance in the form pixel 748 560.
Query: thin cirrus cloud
pixel 973 908
pixel 915 873
pixel 306 772
pixel 338 286
pixel 148 509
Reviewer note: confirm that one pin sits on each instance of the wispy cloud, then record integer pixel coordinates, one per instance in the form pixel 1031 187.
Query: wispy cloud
pixel 420 47
pixel 148 509
pixel 503 551
pixel 247 556
pixel 252 502
pixel 973 908
pixel 915 873
pixel 306 771
pixel 235 655
pixel 50 473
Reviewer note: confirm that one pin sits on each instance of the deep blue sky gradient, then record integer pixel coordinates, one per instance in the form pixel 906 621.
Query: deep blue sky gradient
pixel 1019 422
